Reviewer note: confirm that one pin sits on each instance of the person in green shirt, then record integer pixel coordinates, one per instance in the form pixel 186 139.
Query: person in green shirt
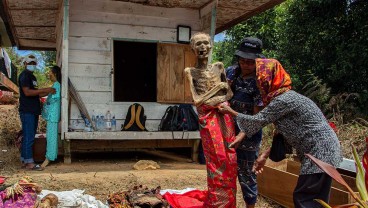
pixel 51 113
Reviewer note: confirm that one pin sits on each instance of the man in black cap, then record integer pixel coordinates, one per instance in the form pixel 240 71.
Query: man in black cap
pixel 247 100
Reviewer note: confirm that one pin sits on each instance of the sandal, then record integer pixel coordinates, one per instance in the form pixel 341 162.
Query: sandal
pixel 36 167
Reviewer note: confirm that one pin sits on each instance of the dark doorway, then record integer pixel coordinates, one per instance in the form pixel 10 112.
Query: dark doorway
pixel 135 71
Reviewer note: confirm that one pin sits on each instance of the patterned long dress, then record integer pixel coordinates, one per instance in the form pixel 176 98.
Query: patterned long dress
pixel 217 132
pixel 51 113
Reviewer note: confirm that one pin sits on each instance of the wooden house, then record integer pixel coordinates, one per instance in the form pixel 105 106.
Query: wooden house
pixel 121 52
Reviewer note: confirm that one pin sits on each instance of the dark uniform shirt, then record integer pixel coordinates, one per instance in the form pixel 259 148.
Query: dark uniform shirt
pixel 28 104
pixel 246 96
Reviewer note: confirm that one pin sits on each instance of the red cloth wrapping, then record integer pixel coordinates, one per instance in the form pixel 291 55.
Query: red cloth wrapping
pixel 217 132
pixel 190 199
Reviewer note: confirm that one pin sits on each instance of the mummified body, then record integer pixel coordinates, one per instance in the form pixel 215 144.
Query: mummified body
pixel 209 89
pixel 207 82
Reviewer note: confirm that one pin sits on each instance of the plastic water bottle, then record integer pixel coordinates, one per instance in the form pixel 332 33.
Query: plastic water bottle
pixel 113 123
pixel 102 124
pixel 108 121
pixel 94 121
pixel 98 123
pixel 87 126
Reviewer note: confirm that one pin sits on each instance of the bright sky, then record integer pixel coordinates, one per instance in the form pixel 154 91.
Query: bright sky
pixel 219 37
pixel 23 53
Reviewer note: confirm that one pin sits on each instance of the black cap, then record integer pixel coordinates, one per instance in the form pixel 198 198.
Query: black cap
pixel 250 48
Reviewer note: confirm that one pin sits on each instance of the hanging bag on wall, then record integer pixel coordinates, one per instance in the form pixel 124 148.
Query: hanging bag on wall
pixel 135 119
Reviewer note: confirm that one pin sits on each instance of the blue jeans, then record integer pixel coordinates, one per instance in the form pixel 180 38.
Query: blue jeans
pixel 247 178
pixel 29 128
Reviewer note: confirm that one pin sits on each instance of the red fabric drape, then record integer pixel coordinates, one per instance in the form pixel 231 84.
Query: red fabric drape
pixel 217 132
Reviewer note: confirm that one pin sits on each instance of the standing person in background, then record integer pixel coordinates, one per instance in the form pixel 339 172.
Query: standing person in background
pixel 29 110
pixel 247 100
pixel 51 113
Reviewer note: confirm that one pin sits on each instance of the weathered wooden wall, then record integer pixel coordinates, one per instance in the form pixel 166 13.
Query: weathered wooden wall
pixel 94 24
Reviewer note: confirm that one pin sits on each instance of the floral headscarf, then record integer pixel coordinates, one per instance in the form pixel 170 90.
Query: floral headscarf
pixel 272 79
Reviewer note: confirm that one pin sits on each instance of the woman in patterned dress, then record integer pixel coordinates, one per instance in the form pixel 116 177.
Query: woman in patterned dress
pixel 303 126
pixel 51 113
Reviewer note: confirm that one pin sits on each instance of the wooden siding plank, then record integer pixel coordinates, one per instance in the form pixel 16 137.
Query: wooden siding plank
pixel 47 33
pixel 35 44
pixel 90 70
pixel 95 97
pixel 34 17
pixel 33 4
pixel 122 31
pixel 163 68
pixel 190 61
pixel 120 7
pixel 176 84
pixel 90 44
pixel 99 145
pixel 131 135
pixel 89 57
pixel 91 84
pixel 132 19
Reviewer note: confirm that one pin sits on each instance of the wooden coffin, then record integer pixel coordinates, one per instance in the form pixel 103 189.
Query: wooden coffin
pixel 278 180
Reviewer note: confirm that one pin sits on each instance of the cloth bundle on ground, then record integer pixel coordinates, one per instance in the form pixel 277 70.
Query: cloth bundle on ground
pixel 74 198
pixel 190 199
pixel 138 196
pixel 22 194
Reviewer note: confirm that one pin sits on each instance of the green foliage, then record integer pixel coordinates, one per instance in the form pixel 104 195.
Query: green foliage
pixel 46 59
pixel 257 27
pixel 326 38
pixel 49 58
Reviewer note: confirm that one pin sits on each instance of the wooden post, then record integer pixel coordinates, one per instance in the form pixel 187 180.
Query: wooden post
pixel 67 153
pixel 64 88
pixel 213 26
pixel 195 151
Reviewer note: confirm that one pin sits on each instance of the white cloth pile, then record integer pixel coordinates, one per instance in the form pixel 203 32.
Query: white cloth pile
pixel 74 198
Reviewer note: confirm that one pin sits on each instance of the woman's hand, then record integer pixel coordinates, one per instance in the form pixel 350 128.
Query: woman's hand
pixel 226 109
pixel 238 139
pixel 259 164
pixel 261 161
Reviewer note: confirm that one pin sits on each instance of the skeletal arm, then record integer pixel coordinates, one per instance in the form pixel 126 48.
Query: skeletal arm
pixel 229 93
pixel 200 99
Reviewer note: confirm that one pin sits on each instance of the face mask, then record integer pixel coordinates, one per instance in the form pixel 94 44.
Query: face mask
pixel 31 67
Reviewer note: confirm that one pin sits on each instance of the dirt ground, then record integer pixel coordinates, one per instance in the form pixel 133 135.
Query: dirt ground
pixel 102 173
